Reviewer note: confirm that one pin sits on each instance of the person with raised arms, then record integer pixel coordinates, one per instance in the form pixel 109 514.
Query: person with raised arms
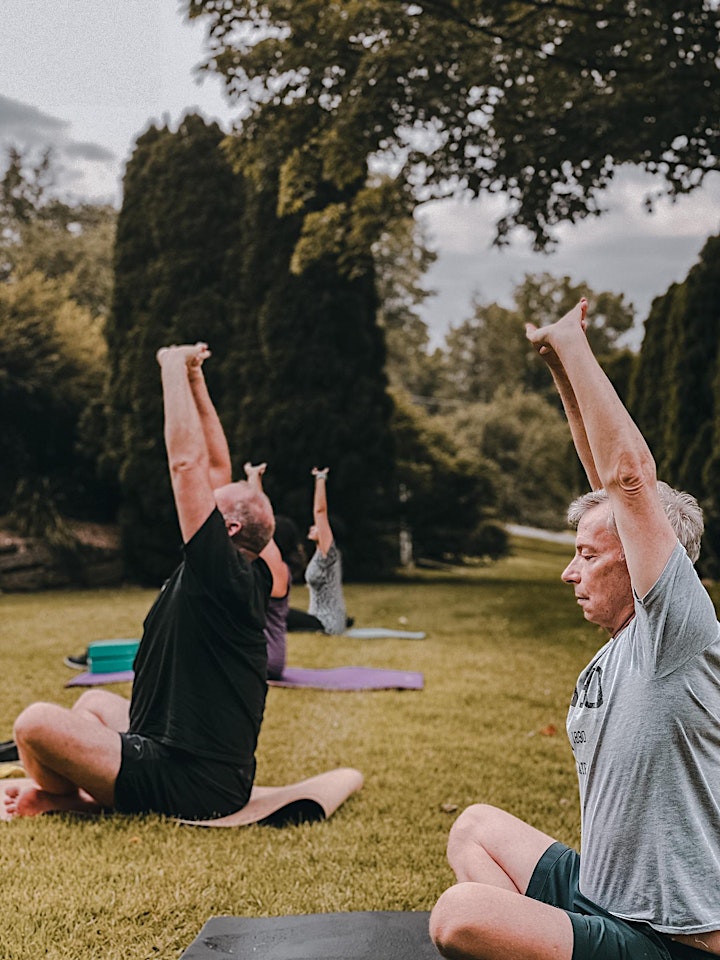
pixel 184 745
pixel 643 724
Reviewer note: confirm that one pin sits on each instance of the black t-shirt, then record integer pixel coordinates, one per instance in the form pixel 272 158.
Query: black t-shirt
pixel 200 671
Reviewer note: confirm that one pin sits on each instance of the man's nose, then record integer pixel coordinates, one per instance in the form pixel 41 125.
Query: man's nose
pixel 570 574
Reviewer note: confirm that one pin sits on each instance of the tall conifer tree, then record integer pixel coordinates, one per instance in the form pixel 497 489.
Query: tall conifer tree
pixel 175 280
pixel 297 369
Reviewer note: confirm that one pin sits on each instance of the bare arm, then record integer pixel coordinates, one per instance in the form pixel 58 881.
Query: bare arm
pixel 218 452
pixel 624 463
pixel 270 553
pixel 320 510
pixel 570 405
pixel 185 441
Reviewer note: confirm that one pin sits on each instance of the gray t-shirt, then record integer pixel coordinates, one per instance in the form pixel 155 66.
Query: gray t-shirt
pixel 644 725
pixel 323 576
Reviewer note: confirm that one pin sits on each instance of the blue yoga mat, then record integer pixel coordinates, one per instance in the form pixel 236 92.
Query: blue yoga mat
pixel 377 633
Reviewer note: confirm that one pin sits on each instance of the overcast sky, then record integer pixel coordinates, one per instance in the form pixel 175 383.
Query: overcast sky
pixel 87 77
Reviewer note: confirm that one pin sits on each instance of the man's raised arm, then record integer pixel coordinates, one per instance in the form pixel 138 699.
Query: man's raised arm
pixel 621 457
pixel 570 405
pixel 219 463
pixel 187 451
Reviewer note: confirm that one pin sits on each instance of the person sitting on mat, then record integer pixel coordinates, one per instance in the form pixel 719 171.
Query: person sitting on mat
pixel 643 723
pixel 277 612
pixel 184 745
pixel 323 573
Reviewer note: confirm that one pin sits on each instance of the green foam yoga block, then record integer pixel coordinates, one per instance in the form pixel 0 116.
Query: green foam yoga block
pixel 112 656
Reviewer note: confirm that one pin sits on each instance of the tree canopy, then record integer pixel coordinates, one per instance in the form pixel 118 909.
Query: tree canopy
pixel 535 99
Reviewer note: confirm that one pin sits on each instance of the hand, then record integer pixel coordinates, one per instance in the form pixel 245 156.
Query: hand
pixel 194 354
pixel 254 472
pixel 544 338
pixel 320 474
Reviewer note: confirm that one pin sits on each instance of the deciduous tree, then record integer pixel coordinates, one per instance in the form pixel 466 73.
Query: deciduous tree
pixel 540 101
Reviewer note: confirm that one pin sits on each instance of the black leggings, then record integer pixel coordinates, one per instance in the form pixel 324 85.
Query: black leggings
pixel 299 620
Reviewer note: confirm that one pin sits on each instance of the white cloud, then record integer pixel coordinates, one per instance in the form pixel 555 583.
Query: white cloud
pixel 625 250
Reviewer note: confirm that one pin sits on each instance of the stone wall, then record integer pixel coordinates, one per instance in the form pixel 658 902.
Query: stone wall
pixel 27 564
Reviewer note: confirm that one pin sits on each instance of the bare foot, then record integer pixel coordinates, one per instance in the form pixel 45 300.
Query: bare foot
pixel 30 800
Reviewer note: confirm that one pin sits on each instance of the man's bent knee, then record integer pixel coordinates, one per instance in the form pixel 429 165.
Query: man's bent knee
pixel 34 721
pixel 474 823
pixel 455 923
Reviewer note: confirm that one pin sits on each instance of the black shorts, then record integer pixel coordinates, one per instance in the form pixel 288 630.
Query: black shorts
pixel 597 934
pixel 154 778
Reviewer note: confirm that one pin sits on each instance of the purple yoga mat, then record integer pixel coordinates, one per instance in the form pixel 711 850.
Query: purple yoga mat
pixel 333 678
pixel 349 678
pixel 97 679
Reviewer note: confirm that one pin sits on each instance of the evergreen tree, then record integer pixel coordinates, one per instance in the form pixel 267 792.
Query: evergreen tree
pixel 675 390
pixel 695 341
pixel 175 281
pixel 312 390
pixel 649 384
pixel 297 372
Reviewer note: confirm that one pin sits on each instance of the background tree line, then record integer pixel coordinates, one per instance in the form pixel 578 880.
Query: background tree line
pixel 292 249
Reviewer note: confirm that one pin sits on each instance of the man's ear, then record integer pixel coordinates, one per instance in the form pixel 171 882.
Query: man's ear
pixel 233 527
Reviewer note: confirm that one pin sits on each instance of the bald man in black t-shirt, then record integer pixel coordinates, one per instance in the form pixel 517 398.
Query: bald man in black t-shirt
pixel 185 744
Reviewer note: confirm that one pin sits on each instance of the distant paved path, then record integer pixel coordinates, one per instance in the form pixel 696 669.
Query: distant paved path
pixel 565 536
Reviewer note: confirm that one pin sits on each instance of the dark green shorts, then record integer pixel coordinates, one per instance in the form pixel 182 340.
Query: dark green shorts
pixel 598 935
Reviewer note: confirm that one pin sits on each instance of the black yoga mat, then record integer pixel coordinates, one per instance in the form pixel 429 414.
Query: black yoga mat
pixel 370 935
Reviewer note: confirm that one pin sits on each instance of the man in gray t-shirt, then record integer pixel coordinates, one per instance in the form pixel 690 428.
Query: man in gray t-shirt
pixel 644 726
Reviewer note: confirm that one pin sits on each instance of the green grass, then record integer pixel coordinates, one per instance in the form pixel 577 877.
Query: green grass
pixel 505 644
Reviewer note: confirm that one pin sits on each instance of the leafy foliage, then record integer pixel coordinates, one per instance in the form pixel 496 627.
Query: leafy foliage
pixel 448 498
pixel 541 101
pixel 55 264
pixel 526 443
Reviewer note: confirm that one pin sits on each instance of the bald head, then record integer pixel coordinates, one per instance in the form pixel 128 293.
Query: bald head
pixel 251 511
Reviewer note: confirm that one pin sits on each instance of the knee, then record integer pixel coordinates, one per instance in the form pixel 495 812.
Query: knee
pixel 90 700
pixel 454 920
pixel 473 825
pixel 32 723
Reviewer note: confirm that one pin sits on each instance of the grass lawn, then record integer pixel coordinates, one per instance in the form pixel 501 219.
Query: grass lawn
pixel 504 646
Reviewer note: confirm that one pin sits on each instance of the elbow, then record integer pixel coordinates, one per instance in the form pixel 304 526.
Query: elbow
pixel 181 465
pixel 633 475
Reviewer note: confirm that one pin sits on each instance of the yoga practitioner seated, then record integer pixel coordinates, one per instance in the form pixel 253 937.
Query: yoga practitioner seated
pixel 185 744
pixel 643 723
pixel 323 574
pixel 277 612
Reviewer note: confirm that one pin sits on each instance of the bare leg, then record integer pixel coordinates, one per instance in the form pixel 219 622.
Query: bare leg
pixel 476 921
pixel 488 845
pixel 486 916
pixel 109 708
pixel 72 756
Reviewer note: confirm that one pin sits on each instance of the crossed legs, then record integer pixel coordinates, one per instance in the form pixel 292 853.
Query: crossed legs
pixel 72 757
pixel 486 915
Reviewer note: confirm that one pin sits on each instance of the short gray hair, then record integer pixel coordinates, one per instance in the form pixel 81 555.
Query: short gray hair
pixel 253 511
pixel 682 510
